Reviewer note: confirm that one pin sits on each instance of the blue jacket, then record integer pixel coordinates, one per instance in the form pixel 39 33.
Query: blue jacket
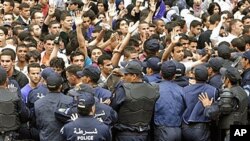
pixel 36 94
pixel 194 109
pixel 216 81
pixel 153 78
pixel 102 93
pixel 170 106
pixel 86 128
pixel 45 117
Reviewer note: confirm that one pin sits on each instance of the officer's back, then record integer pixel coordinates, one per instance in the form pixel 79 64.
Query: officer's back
pixel 134 102
pixel 44 109
pixel 9 108
pixel 86 127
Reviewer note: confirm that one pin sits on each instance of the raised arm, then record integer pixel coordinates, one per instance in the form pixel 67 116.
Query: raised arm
pixel 51 13
pixel 174 39
pixel 80 38
pixel 152 8
pixel 118 50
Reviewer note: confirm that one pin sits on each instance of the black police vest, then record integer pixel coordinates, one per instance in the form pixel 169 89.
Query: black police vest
pixel 137 109
pixel 238 116
pixel 9 120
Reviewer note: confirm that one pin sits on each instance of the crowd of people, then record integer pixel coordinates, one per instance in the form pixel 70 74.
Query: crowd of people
pixel 123 70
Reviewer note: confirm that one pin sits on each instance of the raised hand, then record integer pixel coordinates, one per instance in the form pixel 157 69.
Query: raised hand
pixel 78 18
pixel 152 6
pixel 112 11
pixel 86 8
pixel 174 37
pixel 132 27
pixel 51 11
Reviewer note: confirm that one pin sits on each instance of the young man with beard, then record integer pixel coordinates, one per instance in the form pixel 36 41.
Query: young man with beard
pixel 35 31
pixel 34 71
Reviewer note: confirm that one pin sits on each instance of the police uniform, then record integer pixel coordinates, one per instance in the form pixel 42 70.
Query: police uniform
pixel 195 124
pixel 232 106
pixel 134 103
pixel 36 94
pixel 102 93
pixel 215 81
pixel 168 112
pixel 86 127
pixel 169 107
pixel 44 110
pixel 12 112
pixel 103 113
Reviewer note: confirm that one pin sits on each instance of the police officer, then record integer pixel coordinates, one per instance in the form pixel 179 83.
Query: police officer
pixel 90 75
pixel 180 78
pixel 232 106
pixel 214 65
pixel 44 109
pixel 195 124
pixel 134 101
pixel 169 107
pixel 245 82
pixel 11 112
pixel 152 66
pixel 103 112
pixel 86 127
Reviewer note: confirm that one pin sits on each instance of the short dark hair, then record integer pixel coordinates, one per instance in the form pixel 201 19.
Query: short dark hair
pixel 57 62
pixel 103 57
pixel 9 52
pixel 53 22
pixel 75 53
pixel 23 5
pixel 233 22
pixel 239 43
pixel 91 14
pixel 12 3
pixel 32 16
pixel 64 15
pixel 195 23
pixel 33 65
pixel 245 17
pixel 128 50
pixel 177 45
pixel 34 53
pixel 21 46
pixel 4 29
pixel 214 18
pixel 73 69
pixel 49 37
pixel 118 22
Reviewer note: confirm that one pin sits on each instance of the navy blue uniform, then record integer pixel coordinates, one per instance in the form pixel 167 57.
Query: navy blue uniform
pixel 168 112
pixel 86 128
pixel 153 78
pixel 195 126
pixel 216 81
pixel 134 103
pixel 103 113
pixel 45 117
pixel 36 94
pixel 100 92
